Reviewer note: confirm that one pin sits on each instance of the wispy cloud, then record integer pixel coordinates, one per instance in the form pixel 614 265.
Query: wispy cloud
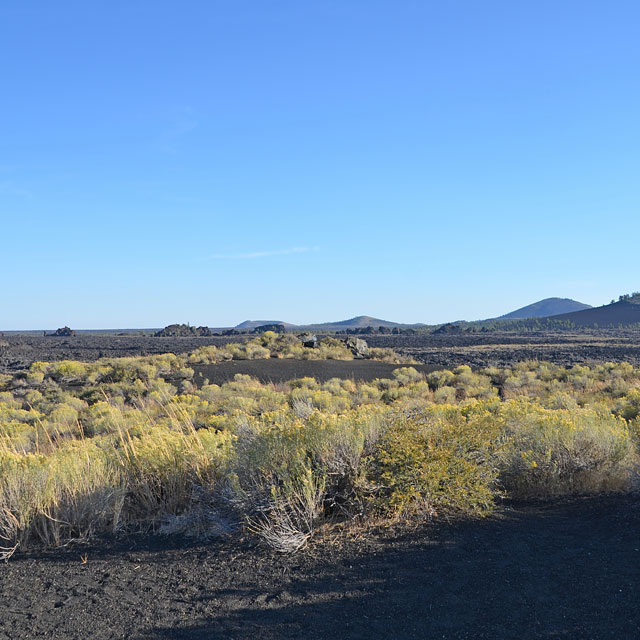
pixel 261 254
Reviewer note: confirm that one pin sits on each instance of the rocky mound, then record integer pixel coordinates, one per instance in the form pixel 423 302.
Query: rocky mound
pixel 447 329
pixel 183 331
pixel 63 332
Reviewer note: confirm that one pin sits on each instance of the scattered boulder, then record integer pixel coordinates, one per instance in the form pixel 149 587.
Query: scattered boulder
pixel 64 332
pixel 358 346
pixel 309 340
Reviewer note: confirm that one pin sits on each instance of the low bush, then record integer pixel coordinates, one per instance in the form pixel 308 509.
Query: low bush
pixel 435 461
pixel 554 452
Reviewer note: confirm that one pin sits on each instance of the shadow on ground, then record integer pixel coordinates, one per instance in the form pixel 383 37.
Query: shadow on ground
pixel 563 570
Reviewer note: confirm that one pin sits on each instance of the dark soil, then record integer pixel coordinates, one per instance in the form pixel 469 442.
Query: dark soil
pixel 277 370
pixel 564 570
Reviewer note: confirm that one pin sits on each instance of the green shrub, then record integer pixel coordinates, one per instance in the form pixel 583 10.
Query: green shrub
pixel 431 462
pixel 629 406
pixel 439 379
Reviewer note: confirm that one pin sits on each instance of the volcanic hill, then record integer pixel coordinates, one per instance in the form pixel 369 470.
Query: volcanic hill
pixel 545 308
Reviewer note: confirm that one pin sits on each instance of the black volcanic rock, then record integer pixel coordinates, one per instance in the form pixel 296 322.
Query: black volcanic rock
pixel 447 329
pixel 358 346
pixel 183 331
pixel 64 332
pixel 309 340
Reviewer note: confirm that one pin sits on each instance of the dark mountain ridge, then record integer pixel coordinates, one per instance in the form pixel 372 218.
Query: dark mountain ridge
pixel 545 308
pixel 622 313
pixel 252 324
pixel 359 322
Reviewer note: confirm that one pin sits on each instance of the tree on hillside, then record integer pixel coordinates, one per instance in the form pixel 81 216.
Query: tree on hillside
pixel 630 297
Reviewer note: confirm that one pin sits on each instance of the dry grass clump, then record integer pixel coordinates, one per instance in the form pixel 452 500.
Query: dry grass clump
pixel 73 488
pixel 131 443
pixel 555 452
pixel 292 472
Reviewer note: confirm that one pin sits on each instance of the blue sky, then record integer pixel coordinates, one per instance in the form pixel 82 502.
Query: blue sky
pixel 211 162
